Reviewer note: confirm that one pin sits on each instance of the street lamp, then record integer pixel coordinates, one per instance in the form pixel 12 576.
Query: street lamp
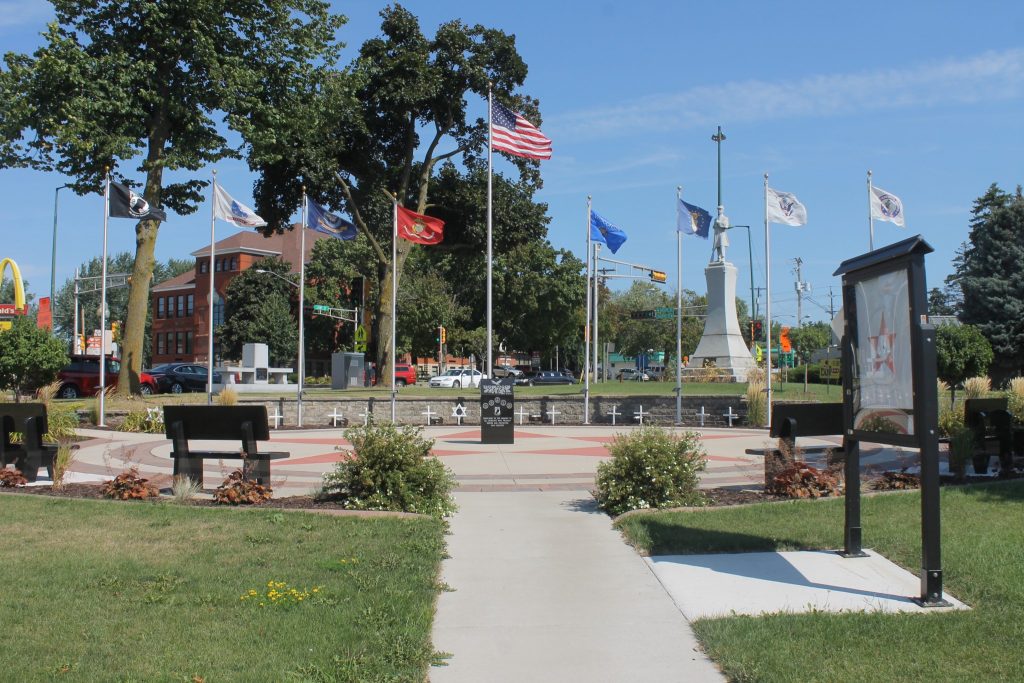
pixel 302 343
pixel 53 251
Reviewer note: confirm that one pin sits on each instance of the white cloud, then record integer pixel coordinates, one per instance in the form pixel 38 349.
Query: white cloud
pixel 992 76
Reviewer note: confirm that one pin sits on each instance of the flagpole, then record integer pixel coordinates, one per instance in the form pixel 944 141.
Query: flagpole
pixel 103 303
pixel 209 350
pixel 302 308
pixel 871 218
pixel 679 310
pixel 394 296
pixel 768 304
pixel 490 253
pixel 597 362
pixel 586 332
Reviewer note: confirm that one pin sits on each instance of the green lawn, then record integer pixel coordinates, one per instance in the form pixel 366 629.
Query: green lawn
pixel 983 565
pixel 110 591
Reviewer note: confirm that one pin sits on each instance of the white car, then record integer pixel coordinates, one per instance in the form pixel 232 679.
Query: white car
pixel 457 378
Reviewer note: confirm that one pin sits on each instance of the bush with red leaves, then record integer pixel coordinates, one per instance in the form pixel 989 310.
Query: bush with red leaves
pixel 130 486
pixel 804 481
pixel 236 490
pixel 11 478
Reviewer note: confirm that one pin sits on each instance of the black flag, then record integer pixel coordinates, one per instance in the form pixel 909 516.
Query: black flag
pixel 126 204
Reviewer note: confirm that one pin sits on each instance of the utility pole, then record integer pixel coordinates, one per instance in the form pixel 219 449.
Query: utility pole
pixel 831 304
pixel 800 288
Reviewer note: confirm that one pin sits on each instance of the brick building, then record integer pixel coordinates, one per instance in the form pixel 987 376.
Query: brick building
pixel 181 310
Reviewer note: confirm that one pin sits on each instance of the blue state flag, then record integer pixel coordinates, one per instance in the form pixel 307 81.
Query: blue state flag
pixel 322 220
pixel 603 231
pixel 692 220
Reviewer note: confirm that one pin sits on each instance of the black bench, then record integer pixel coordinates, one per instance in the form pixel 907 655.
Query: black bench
pixel 991 422
pixel 29 420
pixel 790 420
pixel 244 424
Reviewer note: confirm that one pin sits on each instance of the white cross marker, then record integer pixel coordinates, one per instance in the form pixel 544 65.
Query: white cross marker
pixel 429 413
pixel 551 414
pixel 459 412
pixel 366 417
pixel 702 415
pixel 522 414
pixel 335 416
pixel 639 415
pixel 276 417
pixel 614 412
pixel 730 416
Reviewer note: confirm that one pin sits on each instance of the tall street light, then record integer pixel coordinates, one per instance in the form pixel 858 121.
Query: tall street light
pixel 53 252
pixel 302 344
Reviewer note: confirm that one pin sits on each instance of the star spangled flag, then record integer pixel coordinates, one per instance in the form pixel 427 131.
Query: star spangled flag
pixel 692 220
pixel 418 228
pixel 785 208
pixel 322 220
pixel 512 133
pixel 603 231
pixel 233 211
pixel 886 206
pixel 126 204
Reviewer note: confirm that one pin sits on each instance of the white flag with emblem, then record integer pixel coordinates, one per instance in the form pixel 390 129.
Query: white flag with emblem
pixel 785 208
pixel 233 211
pixel 885 206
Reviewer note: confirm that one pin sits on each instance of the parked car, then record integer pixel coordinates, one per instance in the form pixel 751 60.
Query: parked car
pixel 632 374
pixel 405 374
pixel 81 377
pixel 503 371
pixel 175 378
pixel 456 378
pixel 549 377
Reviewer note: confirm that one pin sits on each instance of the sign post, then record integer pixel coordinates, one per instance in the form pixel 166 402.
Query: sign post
pixel 889 392
pixel 497 410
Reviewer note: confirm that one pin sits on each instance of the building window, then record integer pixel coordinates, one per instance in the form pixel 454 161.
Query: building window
pixel 160 348
pixel 188 342
pixel 203 267
pixel 218 310
pixel 234 263
pixel 190 305
pixel 170 342
pixel 159 307
pixel 216 265
pixel 181 343
pixel 181 306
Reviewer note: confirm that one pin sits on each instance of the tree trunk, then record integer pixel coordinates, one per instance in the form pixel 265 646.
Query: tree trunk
pixel 384 370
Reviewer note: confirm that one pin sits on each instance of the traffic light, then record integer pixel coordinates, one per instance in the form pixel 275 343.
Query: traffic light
pixel 658 276
pixel 758 330
pixel 444 335
pixel 115 330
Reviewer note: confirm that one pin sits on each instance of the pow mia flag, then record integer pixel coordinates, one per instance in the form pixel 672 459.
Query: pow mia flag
pixel 126 204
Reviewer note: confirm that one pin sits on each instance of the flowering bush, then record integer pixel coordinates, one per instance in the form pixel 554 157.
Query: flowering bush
pixel 651 468
pixel 237 490
pixel 391 469
pixel 130 486
pixel 278 594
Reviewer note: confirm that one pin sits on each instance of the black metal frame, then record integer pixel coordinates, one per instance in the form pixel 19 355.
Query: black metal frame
pixel 907 256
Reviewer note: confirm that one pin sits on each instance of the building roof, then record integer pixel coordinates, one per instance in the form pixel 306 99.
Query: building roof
pixel 186 280
pixel 286 245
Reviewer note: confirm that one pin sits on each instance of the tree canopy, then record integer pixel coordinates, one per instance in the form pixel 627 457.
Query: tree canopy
pixel 30 357
pixel 258 309
pixel 961 352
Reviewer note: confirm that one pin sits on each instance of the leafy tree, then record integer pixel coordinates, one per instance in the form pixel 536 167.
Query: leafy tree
pixel 810 337
pixel 425 301
pixel 940 302
pixel 332 279
pixel 636 336
pixel 962 352
pixel 145 83
pixel 29 357
pixel 387 125
pixel 258 310
pixel 991 276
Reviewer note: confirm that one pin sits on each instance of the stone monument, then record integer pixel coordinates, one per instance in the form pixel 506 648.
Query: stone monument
pixel 722 343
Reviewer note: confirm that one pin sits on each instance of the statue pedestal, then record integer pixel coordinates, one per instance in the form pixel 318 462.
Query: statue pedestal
pixel 722 342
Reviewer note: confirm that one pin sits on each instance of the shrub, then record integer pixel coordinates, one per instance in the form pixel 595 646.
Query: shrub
pixel 60 424
pixel 804 481
pixel 961 449
pixel 61 463
pixel 977 387
pixel 184 489
pixel 651 468
pixel 227 397
pixel 391 469
pixel 130 486
pixel 1015 399
pixel 896 481
pixel 237 490
pixel 757 404
pixel 950 419
pixel 11 478
pixel 150 421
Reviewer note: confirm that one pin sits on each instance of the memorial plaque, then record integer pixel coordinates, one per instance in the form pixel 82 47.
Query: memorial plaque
pixel 497 411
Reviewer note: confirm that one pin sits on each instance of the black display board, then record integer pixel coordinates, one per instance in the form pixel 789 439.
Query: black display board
pixel 497 411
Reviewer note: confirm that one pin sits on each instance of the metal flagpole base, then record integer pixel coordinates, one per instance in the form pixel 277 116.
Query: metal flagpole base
pixel 852 543
pixel 931 586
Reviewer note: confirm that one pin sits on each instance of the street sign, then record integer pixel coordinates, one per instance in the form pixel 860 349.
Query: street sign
pixel 665 313
pixel 642 315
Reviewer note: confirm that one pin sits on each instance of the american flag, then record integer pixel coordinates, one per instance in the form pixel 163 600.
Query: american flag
pixel 511 133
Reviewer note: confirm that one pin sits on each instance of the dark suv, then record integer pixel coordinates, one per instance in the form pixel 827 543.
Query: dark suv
pixel 81 377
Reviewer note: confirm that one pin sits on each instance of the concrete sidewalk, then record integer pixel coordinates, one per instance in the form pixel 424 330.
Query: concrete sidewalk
pixel 545 590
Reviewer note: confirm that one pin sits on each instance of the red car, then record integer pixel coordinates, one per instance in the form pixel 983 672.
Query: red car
pixel 82 377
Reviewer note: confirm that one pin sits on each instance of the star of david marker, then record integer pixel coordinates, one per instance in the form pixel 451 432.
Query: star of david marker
pixel 459 412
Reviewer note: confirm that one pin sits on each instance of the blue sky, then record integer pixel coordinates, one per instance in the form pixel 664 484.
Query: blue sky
pixel 927 95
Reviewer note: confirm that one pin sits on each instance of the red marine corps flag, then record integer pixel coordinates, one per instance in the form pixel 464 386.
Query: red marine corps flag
pixel 419 228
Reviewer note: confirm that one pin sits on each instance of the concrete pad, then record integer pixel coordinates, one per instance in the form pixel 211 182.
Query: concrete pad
pixel 721 585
